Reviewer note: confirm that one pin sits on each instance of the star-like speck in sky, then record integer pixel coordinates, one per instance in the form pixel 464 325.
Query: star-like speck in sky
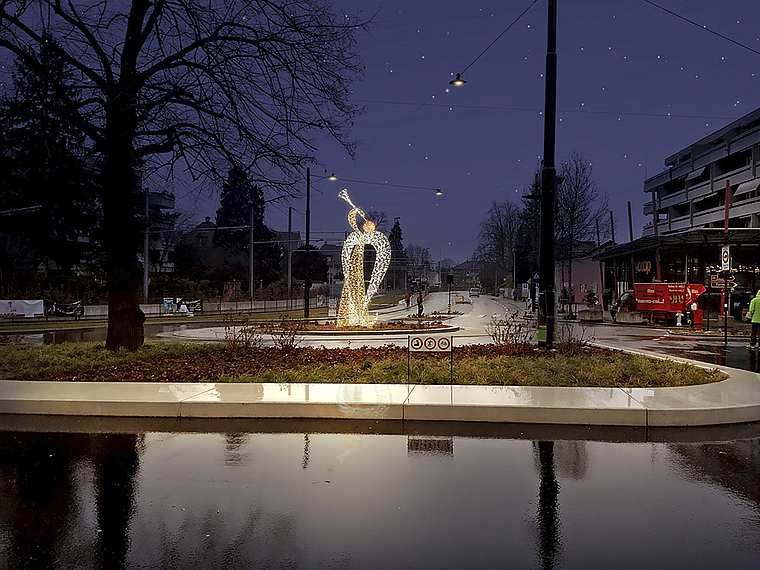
pixel 634 85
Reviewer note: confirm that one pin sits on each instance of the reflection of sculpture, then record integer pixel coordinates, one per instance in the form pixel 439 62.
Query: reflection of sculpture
pixel 354 300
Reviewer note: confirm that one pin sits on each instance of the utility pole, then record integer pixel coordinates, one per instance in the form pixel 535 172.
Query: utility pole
pixel 548 179
pixel 250 254
pixel 307 284
pixel 514 268
pixel 726 270
pixel 145 249
pixel 290 257
pixel 612 227
pixel 601 270
pixel 630 236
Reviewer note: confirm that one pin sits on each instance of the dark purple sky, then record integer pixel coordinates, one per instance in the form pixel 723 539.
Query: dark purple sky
pixel 635 85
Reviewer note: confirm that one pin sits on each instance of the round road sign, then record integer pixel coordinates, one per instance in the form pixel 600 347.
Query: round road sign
pixel 444 343
pixel 430 343
pixel 416 343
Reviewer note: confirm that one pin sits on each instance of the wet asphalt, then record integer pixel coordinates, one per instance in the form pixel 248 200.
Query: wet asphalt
pixel 708 349
pixel 666 340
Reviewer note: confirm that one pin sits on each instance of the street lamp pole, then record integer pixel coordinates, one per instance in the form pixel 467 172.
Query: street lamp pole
pixel 290 257
pixel 548 179
pixel 514 268
pixel 307 284
pixel 146 246
pixel 250 253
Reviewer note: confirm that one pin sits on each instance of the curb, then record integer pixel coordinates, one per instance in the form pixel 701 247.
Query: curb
pixel 731 401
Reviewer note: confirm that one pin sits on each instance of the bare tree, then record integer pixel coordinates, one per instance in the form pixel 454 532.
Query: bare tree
pixel 380 218
pixel 498 236
pixel 189 85
pixel 418 260
pixel 579 206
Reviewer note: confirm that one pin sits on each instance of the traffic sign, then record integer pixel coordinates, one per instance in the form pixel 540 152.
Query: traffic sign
pixel 534 279
pixel 429 344
pixel 725 258
pixel 717 281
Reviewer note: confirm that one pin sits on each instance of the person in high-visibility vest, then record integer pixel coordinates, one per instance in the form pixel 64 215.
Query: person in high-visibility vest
pixel 754 315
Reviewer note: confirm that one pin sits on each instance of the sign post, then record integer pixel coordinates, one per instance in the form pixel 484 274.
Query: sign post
pixel 725 260
pixel 428 343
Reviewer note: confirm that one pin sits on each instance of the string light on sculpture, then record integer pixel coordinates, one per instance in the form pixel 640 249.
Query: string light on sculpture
pixel 354 300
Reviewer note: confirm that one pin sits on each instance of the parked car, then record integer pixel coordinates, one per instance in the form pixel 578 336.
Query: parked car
pixel 626 300
pixel 475 292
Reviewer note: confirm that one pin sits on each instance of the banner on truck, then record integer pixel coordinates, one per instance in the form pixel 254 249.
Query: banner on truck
pixel 15 308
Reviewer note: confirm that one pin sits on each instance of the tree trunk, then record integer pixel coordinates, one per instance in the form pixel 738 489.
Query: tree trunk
pixel 121 238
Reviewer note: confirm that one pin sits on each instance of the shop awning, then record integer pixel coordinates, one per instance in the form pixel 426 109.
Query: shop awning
pixel 747 187
pixel 696 237
pixel 696 174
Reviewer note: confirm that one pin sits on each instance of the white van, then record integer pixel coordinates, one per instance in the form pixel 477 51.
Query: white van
pixel 475 292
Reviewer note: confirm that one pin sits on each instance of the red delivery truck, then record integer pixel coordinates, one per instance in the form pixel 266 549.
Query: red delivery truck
pixel 663 301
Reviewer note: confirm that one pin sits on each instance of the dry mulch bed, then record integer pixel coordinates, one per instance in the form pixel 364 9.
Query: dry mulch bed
pixel 213 364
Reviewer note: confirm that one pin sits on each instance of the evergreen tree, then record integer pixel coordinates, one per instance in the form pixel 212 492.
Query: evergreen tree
pixel 528 240
pixel 239 196
pixel 44 165
pixel 310 264
pixel 398 257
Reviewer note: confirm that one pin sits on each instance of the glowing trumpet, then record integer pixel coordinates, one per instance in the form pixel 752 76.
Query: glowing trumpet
pixel 344 195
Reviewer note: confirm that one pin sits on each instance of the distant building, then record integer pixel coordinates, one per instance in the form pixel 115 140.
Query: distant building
pixel 710 184
pixel 332 254
pixel 162 239
pixel 202 236
pixel 691 192
pixel 467 274
pixel 586 275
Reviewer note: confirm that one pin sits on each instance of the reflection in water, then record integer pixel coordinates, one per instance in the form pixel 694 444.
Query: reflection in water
pixel 234 448
pixel 306 451
pixel 116 463
pixel 47 510
pixel 434 446
pixel 348 500
pixel 733 466
pixel 548 506
pixel 571 459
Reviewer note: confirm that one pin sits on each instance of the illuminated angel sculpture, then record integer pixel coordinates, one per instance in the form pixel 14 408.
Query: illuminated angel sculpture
pixel 354 299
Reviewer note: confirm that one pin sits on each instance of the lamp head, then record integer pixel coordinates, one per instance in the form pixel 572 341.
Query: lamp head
pixel 458 81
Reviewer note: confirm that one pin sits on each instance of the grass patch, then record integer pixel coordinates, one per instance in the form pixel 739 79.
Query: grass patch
pixel 20 361
pixel 485 365
pixel 618 370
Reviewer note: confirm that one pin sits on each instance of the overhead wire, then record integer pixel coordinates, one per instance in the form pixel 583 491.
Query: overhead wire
pixel 702 26
pixel 531 109
pixel 498 37
pixel 427 101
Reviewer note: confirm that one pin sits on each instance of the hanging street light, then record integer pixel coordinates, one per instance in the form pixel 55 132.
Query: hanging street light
pixel 458 81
